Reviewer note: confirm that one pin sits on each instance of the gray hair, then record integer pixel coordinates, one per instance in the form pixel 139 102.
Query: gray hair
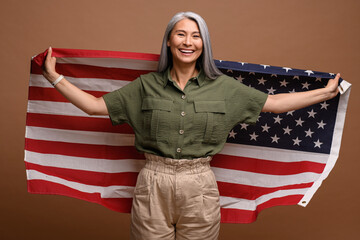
pixel 205 61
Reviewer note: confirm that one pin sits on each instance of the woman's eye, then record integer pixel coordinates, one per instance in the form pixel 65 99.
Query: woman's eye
pixel 181 34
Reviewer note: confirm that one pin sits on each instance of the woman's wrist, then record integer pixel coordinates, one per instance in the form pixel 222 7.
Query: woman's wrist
pixel 52 77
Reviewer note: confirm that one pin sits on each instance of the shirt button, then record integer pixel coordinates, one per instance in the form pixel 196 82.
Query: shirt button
pixel 183 113
pixel 183 96
pixel 181 131
pixel 178 150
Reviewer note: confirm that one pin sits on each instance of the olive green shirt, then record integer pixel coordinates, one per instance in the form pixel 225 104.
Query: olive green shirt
pixel 183 124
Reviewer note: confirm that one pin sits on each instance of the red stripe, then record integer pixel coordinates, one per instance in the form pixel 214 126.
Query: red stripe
pixel 265 166
pixel 68 53
pixel 230 215
pixel 129 179
pixel 82 150
pixel 75 123
pixel 62 52
pixel 87 71
pixel 51 94
pixel 44 187
pixel 253 192
pixel 87 177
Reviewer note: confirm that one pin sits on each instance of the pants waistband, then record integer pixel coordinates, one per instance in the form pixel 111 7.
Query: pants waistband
pixel 174 166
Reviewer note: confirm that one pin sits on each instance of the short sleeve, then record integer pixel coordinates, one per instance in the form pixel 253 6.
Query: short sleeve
pixel 124 103
pixel 244 103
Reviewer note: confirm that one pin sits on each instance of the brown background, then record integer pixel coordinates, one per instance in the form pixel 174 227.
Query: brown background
pixel 318 35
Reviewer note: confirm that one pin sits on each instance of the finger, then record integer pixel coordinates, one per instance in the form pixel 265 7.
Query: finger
pixel 49 53
pixel 337 77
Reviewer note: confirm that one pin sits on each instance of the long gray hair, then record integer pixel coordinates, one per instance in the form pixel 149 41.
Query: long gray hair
pixel 205 61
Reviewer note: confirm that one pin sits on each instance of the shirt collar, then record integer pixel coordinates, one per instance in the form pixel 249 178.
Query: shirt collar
pixel 200 78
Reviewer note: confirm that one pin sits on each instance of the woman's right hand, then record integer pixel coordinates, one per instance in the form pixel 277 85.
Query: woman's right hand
pixel 49 71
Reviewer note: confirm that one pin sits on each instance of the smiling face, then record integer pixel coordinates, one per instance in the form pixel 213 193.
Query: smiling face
pixel 185 42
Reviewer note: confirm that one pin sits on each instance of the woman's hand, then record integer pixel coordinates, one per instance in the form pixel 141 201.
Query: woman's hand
pixel 49 71
pixel 332 86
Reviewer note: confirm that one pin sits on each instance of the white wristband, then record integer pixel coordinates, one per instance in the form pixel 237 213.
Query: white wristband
pixel 57 80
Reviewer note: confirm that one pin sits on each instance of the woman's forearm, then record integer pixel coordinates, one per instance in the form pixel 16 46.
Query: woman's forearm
pixel 83 100
pixel 285 102
pixel 86 102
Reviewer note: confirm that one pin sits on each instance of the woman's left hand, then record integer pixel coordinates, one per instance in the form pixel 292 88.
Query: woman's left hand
pixel 332 86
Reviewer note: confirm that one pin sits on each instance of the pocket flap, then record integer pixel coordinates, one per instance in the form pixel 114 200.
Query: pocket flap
pixel 210 106
pixel 156 104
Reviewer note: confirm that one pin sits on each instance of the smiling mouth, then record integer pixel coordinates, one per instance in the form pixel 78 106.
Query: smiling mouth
pixel 186 51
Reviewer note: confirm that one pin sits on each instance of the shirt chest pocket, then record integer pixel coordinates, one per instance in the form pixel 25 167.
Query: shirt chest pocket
pixel 156 121
pixel 209 120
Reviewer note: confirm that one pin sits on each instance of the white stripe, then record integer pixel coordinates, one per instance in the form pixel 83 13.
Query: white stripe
pixel 117 139
pixel 89 84
pixel 335 147
pixel 112 166
pixel 57 108
pixel 74 136
pixel 262 180
pixel 112 63
pixel 127 192
pixel 245 204
pixel 273 154
pixel 105 192
pixel 86 164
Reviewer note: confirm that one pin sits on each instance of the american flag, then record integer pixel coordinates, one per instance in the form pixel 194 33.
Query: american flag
pixel 282 160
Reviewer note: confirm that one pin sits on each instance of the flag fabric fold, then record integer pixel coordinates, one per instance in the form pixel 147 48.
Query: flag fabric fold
pixel 282 160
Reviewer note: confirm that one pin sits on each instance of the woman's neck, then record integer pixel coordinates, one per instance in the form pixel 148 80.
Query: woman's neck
pixel 182 74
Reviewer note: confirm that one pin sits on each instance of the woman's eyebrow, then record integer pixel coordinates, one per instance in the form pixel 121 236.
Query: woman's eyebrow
pixel 180 30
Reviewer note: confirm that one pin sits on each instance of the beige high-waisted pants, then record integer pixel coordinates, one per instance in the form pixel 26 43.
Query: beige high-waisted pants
pixel 175 199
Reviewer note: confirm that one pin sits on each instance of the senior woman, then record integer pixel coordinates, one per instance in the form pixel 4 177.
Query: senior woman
pixel 181 116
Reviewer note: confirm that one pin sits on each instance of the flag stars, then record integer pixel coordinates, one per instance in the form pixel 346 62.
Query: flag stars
pixel 290 113
pixel 324 105
pixel 318 79
pixel 287 130
pixel 253 136
pixel 277 119
pixel 299 122
pixel 318 144
pixel 275 139
pixel 311 113
pixel 265 128
pixel 321 124
pixel 296 77
pixel 239 78
pixel 305 85
pixel 284 83
pixel 287 69
pixel 262 81
pixel 232 134
pixel 273 75
pixel 244 125
pixel 271 91
pixel 297 141
pixel 309 133
pixel 230 70
pixel 292 91
pixel 265 66
pixel 309 72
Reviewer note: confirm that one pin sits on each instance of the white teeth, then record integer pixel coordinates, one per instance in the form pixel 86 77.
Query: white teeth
pixel 187 51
